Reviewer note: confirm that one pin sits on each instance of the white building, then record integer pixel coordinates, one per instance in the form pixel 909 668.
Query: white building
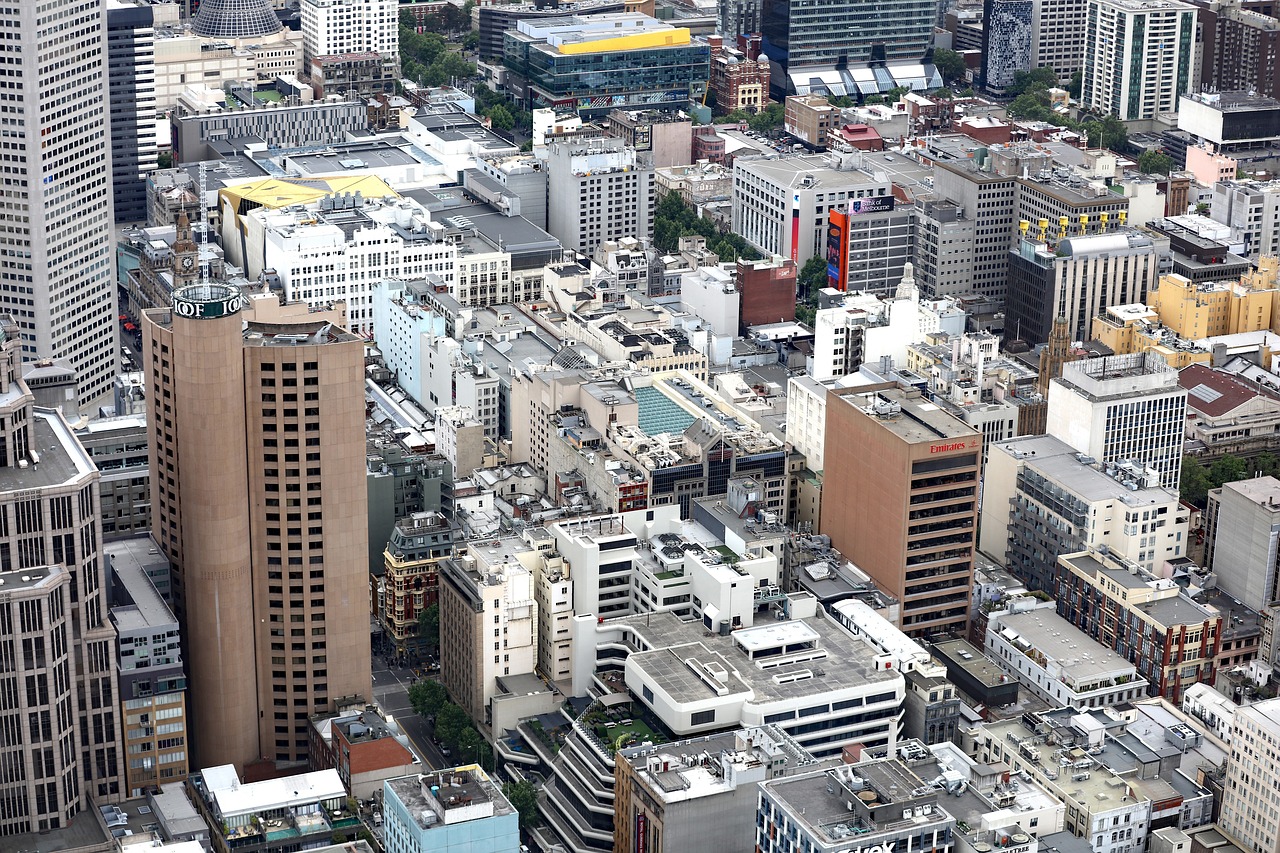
pixel 488 622
pixel 807 418
pixel 1056 660
pixel 866 328
pixel 1211 708
pixel 710 293
pixel 57 249
pixel 806 675
pixel 1123 407
pixel 598 189
pixel 781 207
pixel 1041 499
pixel 647 561
pixel 1248 810
pixel 335 27
pixel 338 252
pixel 1139 56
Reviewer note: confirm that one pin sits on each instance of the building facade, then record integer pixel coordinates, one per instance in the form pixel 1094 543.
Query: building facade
pixel 598 190
pixel 251 428
pixel 1079 279
pixel 60 714
pixel 132 81
pixel 152 683
pixel 594 64
pixel 1138 56
pixel 57 255
pixel 909 472
pixel 1125 407
pixel 1255 732
pixel 1173 640
pixel 337 27
pixel 1242 539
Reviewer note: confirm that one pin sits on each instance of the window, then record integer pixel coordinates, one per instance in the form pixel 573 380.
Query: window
pixel 701 718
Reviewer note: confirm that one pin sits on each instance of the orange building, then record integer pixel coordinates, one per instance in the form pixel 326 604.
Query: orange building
pixel 900 499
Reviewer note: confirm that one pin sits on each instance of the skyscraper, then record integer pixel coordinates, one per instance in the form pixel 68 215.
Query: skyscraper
pixel 57 259
pixel 131 56
pixel 1138 56
pixel 59 720
pixel 257 434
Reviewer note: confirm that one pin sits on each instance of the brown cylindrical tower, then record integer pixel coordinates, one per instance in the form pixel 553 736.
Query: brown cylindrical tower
pixel 193 355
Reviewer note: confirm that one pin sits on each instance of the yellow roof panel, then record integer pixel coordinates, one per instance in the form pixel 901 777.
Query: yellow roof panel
pixel 282 192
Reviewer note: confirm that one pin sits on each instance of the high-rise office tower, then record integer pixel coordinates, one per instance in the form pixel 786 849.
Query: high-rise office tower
pixel 131 58
pixel 1138 56
pixel 1122 407
pixel 900 499
pixel 257 434
pixel 57 256
pixel 845 39
pixel 1059 36
pixel 59 721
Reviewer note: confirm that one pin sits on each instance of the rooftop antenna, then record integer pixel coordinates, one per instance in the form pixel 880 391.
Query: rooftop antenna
pixel 204 215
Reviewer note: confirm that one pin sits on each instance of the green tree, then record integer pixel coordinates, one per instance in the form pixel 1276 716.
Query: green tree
pixel 429 627
pixel 451 721
pixel 844 102
pixel 427 697
pixel 949 64
pixel 945 93
pixel 1030 81
pixel 1155 163
pixel 812 278
pixel 1228 469
pixel 1194 485
pixel 1109 133
pixel 471 40
pixel 526 146
pixel 738 117
pixel 469 743
pixel 164 160
pixel 500 117
pixel 523 797
pixel 769 118
pixel 1076 84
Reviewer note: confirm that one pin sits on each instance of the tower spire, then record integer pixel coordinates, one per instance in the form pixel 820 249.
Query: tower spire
pixel 1056 353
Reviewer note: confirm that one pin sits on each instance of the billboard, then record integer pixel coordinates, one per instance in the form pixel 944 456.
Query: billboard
pixel 838 250
pixel 871 204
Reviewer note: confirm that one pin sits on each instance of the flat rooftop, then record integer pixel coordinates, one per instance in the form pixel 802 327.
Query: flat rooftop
pixel 985 670
pixel 62 459
pixel 849 661
pixel 909 416
pixel 455 788
pixel 136 604
pixel 1083 659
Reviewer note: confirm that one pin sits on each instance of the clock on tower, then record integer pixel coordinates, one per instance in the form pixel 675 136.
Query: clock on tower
pixel 185 254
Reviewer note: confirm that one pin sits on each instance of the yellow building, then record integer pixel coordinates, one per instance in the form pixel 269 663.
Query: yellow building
pixel 1137 328
pixel 1201 311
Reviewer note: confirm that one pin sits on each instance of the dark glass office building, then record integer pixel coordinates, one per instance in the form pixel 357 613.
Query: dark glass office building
pixel 843 33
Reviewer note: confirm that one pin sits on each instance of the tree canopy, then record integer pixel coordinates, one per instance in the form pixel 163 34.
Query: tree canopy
pixel 427 698
pixel 1198 479
pixel 523 797
pixel 950 65
pixel 1155 163
pixel 674 219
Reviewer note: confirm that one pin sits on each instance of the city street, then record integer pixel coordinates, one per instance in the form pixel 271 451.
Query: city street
pixel 391 693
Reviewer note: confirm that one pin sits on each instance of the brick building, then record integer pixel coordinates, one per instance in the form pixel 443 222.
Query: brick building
pixel 739 76
pixel 768 291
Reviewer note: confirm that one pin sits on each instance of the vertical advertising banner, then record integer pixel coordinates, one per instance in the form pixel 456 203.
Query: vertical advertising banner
pixel 795 228
pixel 838 250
